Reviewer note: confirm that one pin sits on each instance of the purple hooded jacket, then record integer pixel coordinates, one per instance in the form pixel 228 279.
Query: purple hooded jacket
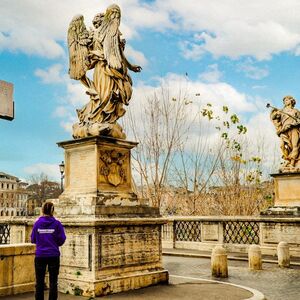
pixel 48 234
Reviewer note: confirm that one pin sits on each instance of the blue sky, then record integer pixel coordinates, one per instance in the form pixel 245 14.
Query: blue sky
pixel 239 53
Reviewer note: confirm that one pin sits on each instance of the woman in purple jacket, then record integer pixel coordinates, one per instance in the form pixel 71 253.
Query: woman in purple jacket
pixel 48 234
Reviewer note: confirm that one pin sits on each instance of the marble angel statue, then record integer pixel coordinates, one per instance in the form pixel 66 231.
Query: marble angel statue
pixel 287 125
pixel 100 49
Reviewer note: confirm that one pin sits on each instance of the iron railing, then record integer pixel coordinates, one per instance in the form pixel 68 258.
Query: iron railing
pixel 187 231
pixel 4 234
pixel 241 232
pixel 234 231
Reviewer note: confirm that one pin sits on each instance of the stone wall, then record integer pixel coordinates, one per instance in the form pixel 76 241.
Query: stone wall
pixel 17 269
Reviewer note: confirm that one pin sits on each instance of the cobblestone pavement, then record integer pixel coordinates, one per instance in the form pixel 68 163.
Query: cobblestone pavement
pixel 275 283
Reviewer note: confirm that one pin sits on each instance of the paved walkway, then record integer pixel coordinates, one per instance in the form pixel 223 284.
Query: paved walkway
pixel 275 283
pixel 190 279
pixel 180 288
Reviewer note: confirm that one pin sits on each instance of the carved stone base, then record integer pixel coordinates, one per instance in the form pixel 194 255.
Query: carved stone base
pixel 287 196
pixel 98 180
pixel 289 169
pixel 113 238
pixel 282 211
pixel 81 130
pixel 113 285
pixel 287 189
pixel 91 206
pixel 111 255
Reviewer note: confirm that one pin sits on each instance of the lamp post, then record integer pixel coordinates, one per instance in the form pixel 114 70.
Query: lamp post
pixel 62 171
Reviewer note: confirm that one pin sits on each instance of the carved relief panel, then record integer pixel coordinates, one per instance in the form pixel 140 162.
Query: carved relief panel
pixel 114 168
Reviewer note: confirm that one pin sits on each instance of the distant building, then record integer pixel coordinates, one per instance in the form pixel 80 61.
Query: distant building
pixel 33 206
pixel 40 191
pixel 13 196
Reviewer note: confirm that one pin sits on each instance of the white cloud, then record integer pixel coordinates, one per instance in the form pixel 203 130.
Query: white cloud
pixel 225 28
pixel 137 57
pixel 76 95
pixel 251 70
pixel 212 74
pixel 60 111
pixel 40 28
pixel 238 28
pixel 241 39
pixel 216 93
pixel 30 41
pixel 264 140
pixel 191 50
pixel 51 170
pixel 51 75
pixel 74 98
pixel 68 125
pixel 261 135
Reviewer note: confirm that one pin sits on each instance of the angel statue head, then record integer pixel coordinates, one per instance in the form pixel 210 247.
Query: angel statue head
pixel 98 20
pixel 113 11
pixel 102 50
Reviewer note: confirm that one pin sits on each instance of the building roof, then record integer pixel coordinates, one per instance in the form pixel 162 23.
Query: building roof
pixel 9 177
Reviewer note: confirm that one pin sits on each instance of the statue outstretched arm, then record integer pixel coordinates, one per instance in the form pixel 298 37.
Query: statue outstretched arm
pixel 131 67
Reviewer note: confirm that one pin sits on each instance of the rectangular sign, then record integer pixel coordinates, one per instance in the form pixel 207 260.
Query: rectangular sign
pixel 6 100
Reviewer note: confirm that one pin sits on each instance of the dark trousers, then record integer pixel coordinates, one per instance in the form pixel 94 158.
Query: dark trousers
pixel 40 264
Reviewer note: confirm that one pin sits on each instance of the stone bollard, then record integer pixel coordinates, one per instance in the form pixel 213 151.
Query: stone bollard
pixel 283 254
pixel 254 257
pixel 219 266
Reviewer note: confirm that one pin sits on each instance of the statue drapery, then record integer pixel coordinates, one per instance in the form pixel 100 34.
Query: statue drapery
pixel 102 50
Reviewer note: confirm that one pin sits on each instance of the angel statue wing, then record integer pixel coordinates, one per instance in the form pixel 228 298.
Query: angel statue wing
pixel 109 35
pixel 78 41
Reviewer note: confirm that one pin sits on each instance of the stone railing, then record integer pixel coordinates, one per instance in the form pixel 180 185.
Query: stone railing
pixel 17 269
pixel 15 230
pixel 234 233
pixel 202 233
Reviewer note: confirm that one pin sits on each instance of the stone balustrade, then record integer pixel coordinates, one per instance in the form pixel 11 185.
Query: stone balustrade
pixel 15 230
pixel 236 234
pixel 17 269
pixel 201 233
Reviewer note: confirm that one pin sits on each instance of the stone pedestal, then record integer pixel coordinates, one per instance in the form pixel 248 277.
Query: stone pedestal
pixel 287 195
pixel 113 238
pixel 98 180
